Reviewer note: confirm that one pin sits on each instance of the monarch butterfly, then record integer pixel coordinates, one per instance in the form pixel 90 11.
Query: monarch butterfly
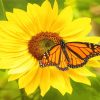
pixel 71 54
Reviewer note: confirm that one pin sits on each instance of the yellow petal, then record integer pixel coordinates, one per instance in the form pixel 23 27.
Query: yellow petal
pixel 93 63
pixel 67 15
pixel 33 85
pixel 68 84
pixel 22 67
pixel 46 18
pixel 78 36
pixel 57 80
pixel 28 77
pixel 13 60
pixel 12 32
pixel 34 13
pixel 84 72
pixel 45 81
pixel 63 19
pixel 11 56
pixel 78 78
pixel 23 22
pixel 79 27
pixel 13 48
pixel 13 43
pixel 54 13
pixel 91 39
pixel 55 8
pixel 95 58
pixel 14 77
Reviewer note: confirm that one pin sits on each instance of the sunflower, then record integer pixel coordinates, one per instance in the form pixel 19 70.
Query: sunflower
pixel 24 38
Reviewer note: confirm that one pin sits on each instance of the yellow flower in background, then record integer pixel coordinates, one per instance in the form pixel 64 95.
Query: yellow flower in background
pixel 22 43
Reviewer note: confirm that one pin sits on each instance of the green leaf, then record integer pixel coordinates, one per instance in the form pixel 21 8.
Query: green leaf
pixel 11 4
pixel 2 11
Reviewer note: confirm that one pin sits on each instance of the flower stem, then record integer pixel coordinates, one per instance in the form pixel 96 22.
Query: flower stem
pixel 23 95
pixel 35 96
pixel 2 11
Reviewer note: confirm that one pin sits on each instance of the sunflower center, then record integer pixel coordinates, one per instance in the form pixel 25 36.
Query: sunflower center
pixel 42 42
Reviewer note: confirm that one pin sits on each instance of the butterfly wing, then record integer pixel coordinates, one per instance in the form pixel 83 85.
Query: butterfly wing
pixel 55 57
pixel 73 55
pixel 80 52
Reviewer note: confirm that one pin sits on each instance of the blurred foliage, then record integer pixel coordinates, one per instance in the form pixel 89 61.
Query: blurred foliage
pixel 89 8
pixel 10 91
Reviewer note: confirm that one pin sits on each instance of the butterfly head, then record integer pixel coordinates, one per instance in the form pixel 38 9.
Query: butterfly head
pixel 62 43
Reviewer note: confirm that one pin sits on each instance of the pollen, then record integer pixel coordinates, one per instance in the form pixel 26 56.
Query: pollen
pixel 42 42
